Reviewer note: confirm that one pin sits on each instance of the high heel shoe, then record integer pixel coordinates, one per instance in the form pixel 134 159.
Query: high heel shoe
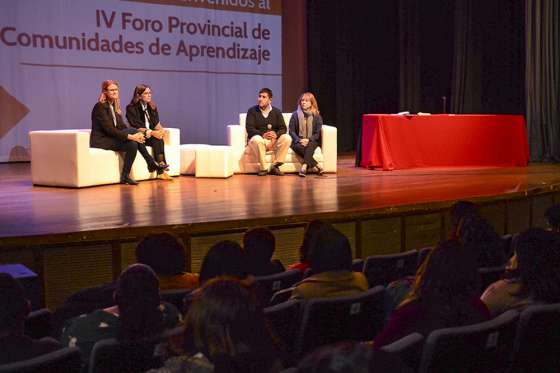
pixel 156 167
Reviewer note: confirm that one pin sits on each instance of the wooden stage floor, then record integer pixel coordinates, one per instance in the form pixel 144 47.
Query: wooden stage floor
pixel 31 213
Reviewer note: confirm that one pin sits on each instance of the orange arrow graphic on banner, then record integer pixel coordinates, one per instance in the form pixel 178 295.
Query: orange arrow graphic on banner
pixel 11 111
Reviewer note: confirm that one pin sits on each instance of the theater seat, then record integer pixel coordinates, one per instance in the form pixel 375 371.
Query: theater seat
pixel 67 360
pixel 482 347
pixel 328 320
pixel 246 161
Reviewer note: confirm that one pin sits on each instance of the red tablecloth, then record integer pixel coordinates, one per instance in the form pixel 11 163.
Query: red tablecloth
pixel 392 142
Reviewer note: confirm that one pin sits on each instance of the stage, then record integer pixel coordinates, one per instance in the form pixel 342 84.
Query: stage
pixel 97 228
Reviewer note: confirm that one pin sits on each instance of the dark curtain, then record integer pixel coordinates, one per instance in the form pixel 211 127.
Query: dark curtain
pixel 389 56
pixel 488 57
pixel 542 73
pixel 352 62
pixel 410 57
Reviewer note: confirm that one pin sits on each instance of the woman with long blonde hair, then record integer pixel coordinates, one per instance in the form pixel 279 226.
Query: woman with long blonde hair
pixel 108 131
pixel 305 130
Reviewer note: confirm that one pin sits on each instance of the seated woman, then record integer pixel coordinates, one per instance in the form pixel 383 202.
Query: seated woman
pixel 225 331
pixel 444 294
pixel 138 314
pixel 259 245
pixel 312 229
pixel 305 130
pixel 14 308
pixel 534 279
pixel 478 236
pixel 165 254
pixel 142 114
pixel 331 261
pixel 108 131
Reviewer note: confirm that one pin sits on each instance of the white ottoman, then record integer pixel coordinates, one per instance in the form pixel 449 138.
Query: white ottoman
pixel 188 158
pixel 214 161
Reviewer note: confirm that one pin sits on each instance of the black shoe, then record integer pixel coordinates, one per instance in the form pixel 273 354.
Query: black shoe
pixel 320 171
pixel 262 173
pixel 157 167
pixel 274 170
pixel 164 165
pixel 128 180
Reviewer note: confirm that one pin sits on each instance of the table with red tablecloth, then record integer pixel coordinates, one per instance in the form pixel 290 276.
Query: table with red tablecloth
pixel 392 142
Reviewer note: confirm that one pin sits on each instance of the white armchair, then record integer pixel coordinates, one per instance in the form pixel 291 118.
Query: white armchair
pixel 64 158
pixel 247 162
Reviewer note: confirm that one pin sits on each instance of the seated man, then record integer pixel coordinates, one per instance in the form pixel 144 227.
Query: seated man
pixel 16 346
pixel 267 130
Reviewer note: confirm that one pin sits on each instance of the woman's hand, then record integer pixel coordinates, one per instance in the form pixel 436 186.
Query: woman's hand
pixel 138 137
pixel 158 134
pixel 304 142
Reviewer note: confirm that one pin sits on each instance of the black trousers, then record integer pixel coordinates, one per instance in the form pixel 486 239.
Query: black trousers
pixel 157 145
pixel 306 152
pixel 130 148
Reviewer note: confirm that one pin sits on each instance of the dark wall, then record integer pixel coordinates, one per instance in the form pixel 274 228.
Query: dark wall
pixel 388 56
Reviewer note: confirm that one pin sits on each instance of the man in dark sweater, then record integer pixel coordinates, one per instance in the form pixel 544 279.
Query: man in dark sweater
pixel 266 130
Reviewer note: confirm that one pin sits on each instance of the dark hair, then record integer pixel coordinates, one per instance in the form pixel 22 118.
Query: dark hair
pixel 268 91
pixel 538 261
pixel 225 320
pixel 163 252
pixel 14 306
pixel 459 210
pixel 259 245
pixel 446 283
pixel 137 296
pixel 350 357
pixel 138 91
pixel 309 237
pixel 330 251
pixel 553 216
pixel 478 236
pixel 224 258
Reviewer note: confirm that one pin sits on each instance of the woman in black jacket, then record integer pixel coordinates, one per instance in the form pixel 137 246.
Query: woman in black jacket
pixel 142 114
pixel 108 131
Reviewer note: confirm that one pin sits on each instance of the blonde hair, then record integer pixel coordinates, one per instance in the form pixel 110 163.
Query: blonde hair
pixel 103 96
pixel 311 98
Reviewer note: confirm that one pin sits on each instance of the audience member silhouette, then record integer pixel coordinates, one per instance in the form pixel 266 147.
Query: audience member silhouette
pixel 259 245
pixel 165 254
pixel 331 262
pixel 534 280
pixel 137 315
pixel 444 294
pixel 14 308
pixel 225 331
pixel 312 229
pixel 351 357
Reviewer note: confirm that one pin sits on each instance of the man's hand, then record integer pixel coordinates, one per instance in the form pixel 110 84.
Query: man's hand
pixel 270 135
pixel 304 142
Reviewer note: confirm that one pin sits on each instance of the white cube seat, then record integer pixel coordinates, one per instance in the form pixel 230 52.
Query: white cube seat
pixel 214 161
pixel 64 158
pixel 247 162
pixel 188 158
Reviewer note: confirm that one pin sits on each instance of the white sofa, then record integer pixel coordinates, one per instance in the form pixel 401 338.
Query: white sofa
pixel 246 161
pixel 64 158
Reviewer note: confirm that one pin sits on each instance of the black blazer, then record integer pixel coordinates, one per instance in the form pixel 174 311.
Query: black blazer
pixel 256 124
pixel 135 116
pixel 103 130
pixel 316 133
